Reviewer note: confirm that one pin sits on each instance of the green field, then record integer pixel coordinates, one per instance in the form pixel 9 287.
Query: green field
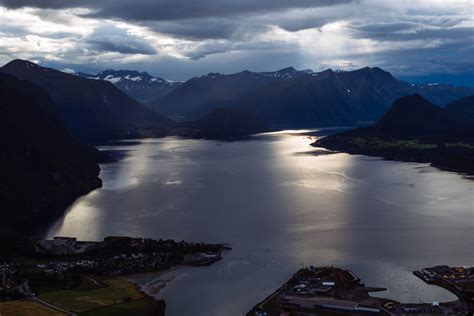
pixel 25 308
pixel 376 143
pixel 115 292
pixel 143 306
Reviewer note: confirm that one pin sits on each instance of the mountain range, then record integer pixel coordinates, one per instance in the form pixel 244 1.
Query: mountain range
pixel 44 169
pixel 289 98
pixel 200 95
pixel 139 85
pixel 94 110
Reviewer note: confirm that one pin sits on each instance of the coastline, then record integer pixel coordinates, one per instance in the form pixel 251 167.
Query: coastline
pixel 151 283
pixel 436 159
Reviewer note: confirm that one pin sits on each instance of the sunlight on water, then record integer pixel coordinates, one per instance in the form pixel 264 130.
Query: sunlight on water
pixel 280 204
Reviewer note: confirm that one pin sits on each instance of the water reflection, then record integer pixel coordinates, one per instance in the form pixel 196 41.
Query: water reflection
pixel 279 209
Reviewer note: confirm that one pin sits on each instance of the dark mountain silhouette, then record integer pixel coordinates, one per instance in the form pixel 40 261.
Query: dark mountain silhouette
pixel 296 99
pixel 43 168
pixel 223 124
pixel 94 110
pixel 139 85
pixel 327 98
pixel 200 95
pixel 415 130
pixel 414 116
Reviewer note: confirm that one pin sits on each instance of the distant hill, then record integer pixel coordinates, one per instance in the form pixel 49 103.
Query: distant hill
pixel 289 98
pixel 43 168
pixel 222 124
pixel 414 116
pixel 94 110
pixel 139 85
pixel 414 129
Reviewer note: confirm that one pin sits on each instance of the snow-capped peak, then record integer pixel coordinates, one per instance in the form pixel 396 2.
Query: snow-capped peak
pixel 128 77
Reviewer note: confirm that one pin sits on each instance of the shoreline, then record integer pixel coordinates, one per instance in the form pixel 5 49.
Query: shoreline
pixel 153 291
pixel 154 284
pixel 336 148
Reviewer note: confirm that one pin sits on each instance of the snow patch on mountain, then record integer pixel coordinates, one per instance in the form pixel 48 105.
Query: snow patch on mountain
pixel 112 79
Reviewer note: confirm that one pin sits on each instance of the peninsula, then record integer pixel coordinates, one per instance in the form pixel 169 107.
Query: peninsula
pixel 415 130
pixel 334 291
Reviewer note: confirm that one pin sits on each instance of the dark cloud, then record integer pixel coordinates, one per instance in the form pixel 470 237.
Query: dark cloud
pixel 211 48
pixel 388 28
pixel 197 29
pixel 197 19
pixel 113 39
pixel 156 10
pixel 294 25
pixel 406 38
pixel 409 31
pixel 43 4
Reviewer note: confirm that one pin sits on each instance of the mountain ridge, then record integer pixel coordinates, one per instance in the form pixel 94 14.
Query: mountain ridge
pixel 289 98
pixel 94 110
pixel 44 169
pixel 139 85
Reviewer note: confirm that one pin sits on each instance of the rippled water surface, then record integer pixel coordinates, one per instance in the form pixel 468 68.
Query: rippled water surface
pixel 280 206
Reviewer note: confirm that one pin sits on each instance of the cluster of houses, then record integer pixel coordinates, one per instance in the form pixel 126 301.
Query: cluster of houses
pixel 122 255
pixel 114 265
pixel 311 286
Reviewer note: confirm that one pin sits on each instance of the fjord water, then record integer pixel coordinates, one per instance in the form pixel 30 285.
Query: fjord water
pixel 281 205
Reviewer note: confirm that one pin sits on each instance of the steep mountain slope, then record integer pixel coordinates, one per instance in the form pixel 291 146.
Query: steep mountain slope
pixel 139 85
pixel 414 116
pixel 43 167
pixel 326 98
pixel 93 110
pixel 200 95
pixel 296 99
pixel 414 130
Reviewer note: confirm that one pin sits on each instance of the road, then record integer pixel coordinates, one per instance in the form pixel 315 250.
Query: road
pixel 25 289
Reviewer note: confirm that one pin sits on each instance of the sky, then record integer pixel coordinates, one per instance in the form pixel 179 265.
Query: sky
pixel 417 40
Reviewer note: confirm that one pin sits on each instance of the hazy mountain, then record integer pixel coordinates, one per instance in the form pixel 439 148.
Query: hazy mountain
pixel 293 99
pixel 43 167
pixel 462 111
pixel 200 95
pixel 94 110
pixel 139 85
pixel 441 94
pixel 414 129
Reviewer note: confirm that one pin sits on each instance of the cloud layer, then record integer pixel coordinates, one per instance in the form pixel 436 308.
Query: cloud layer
pixel 180 39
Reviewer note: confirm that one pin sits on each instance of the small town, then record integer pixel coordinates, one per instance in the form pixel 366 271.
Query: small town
pixel 123 255
pixel 330 291
pixel 64 263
